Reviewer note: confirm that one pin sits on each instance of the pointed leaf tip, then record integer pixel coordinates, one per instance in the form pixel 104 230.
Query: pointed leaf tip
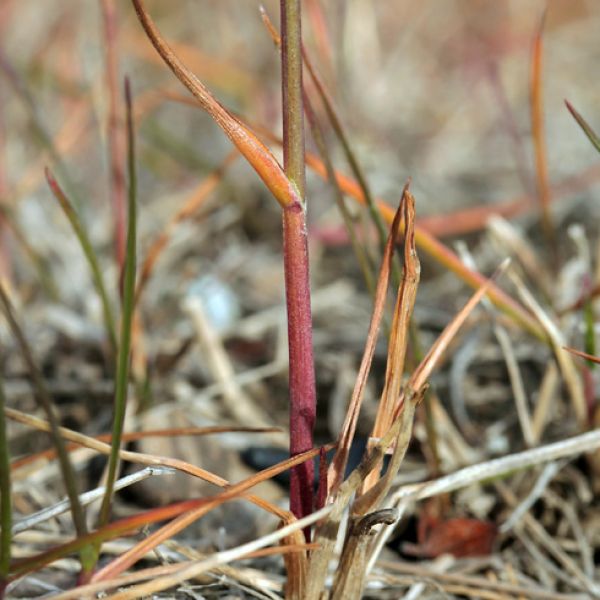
pixel 587 129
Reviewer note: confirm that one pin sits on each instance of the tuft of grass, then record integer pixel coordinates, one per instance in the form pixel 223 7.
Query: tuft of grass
pixel 364 504
pixel 287 186
pixel 128 525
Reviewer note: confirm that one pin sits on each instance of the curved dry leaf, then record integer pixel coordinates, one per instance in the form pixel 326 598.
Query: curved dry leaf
pixel 255 152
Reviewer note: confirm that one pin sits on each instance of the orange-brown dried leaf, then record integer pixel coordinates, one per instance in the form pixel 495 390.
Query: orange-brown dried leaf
pixel 581 354
pixel 460 537
pixel 338 464
pixel 133 436
pixel 402 313
pixel 391 398
pixel 202 507
pixel 255 152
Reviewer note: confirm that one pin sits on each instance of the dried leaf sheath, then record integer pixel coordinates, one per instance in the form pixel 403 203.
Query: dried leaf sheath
pixel 338 465
pixel 405 301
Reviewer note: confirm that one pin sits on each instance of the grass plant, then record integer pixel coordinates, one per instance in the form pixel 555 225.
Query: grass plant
pixel 330 541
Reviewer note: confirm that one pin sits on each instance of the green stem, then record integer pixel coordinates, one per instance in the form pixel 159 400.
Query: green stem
pixel 292 96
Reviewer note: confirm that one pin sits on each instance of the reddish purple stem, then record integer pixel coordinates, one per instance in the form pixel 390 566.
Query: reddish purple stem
pixel 302 373
pixel 295 253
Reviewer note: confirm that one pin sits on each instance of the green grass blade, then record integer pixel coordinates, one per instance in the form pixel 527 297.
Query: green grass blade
pixel 90 256
pixel 43 399
pixel 123 356
pixel 591 134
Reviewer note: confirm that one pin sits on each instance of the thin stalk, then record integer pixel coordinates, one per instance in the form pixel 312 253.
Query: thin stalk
pixel 295 249
pixel 317 133
pixel 43 399
pixel 41 135
pixel 361 255
pixel 353 162
pixel 123 357
pixel 5 499
pixel 539 137
pixel 292 93
pixel 589 336
pixel 116 146
pixel 90 255
pixel 301 369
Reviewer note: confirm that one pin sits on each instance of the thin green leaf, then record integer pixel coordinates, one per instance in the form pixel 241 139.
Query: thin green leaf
pixel 591 134
pixel 90 255
pixel 122 377
pixel 43 399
